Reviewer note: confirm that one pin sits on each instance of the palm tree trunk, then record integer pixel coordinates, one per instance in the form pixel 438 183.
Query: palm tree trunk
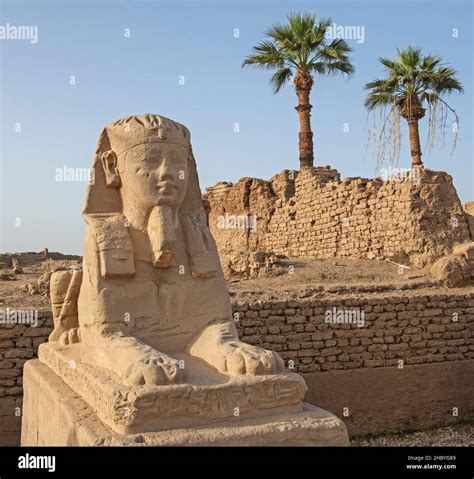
pixel 303 83
pixel 413 111
pixel 414 143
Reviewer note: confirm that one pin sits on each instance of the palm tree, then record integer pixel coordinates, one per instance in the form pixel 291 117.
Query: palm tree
pixel 412 79
pixel 299 50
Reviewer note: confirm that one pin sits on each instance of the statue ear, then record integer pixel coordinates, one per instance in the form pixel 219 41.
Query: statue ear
pixel 109 164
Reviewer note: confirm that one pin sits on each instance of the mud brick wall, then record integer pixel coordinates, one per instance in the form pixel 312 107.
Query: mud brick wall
pixel 417 328
pixel 469 210
pixel 18 343
pixel 338 361
pixel 413 219
pixel 31 258
pixel 410 366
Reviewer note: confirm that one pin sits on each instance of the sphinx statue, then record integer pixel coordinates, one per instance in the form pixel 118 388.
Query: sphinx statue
pixel 144 335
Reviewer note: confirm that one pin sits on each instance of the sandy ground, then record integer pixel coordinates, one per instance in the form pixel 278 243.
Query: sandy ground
pixel 459 435
pixel 298 278
pixel 14 291
pixel 306 278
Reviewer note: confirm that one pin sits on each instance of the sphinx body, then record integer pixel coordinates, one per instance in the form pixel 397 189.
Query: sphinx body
pixel 144 348
pixel 152 284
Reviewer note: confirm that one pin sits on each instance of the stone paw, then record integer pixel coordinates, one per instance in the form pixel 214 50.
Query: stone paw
pixel 71 336
pixel 239 358
pixel 155 369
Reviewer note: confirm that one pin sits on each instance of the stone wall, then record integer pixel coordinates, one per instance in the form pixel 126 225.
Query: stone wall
pixel 18 343
pixel 409 367
pixel 469 210
pixel 346 366
pixel 388 399
pixel 413 219
pixel 32 258
pixel 416 327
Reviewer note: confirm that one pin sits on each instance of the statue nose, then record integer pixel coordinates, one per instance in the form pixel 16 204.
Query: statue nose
pixel 165 170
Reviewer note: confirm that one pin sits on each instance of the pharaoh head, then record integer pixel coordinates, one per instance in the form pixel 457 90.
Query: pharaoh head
pixel 145 172
pixel 147 161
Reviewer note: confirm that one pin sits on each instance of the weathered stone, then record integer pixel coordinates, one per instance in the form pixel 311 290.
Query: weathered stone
pixel 153 310
pixel 303 215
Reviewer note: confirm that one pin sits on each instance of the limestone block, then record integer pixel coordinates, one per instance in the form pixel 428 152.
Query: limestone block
pixel 57 416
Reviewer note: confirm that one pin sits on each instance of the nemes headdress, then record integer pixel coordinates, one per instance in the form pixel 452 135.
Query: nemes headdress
pixel 128 132
pixel 103 205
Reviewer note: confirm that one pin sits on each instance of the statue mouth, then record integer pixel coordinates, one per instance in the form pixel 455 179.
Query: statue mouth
pixel 166 188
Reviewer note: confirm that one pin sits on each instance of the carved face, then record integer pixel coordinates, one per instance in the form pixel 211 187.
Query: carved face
pixel 154 174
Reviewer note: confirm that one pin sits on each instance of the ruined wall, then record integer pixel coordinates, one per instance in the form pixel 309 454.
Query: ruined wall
pixel 345 366
pixel 409 367
pixel 312 213
pixel 32 258
pixel 18 343
pixel 469 211
pixel 425 326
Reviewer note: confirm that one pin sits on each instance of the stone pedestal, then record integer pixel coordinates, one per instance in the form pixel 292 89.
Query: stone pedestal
pixel 68 402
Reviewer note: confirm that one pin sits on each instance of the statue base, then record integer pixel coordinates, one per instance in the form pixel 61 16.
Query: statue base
pixel 67 402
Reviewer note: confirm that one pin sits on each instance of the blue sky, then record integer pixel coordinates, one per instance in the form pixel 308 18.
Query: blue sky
pixel 118 76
